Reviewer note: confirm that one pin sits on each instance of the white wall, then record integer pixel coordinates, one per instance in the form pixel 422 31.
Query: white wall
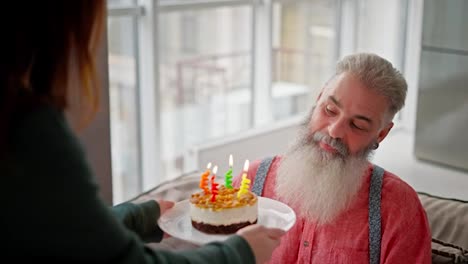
pixel 396 155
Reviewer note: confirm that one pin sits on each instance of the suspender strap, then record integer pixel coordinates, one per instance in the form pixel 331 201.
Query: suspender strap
pixel 260 177
pixel 375 191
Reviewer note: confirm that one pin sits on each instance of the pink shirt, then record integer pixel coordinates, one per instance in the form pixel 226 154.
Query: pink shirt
pixel 405 238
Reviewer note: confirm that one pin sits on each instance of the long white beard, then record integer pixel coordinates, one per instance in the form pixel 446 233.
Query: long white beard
pixel 318 184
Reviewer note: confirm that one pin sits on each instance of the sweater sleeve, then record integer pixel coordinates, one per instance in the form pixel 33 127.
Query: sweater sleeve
pixel 141 219
pixel 59 214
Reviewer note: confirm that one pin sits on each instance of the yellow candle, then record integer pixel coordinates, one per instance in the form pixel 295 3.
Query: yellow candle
pixel 245 183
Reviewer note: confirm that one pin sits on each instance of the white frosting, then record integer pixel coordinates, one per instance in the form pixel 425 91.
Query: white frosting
pixel 229 216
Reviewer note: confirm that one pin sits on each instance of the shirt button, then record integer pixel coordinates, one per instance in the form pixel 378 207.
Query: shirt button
pixel 306 243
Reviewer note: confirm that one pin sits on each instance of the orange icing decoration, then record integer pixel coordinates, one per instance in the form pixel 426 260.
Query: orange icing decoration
pixel 226 199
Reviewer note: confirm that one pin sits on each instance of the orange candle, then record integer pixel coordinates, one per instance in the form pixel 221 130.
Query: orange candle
pixel 204 179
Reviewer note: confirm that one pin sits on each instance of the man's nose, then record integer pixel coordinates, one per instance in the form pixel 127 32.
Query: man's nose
pixel 336 129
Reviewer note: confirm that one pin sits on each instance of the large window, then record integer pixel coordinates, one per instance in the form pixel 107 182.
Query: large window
pixel 205 78
pixel 189 72
pixel 302 53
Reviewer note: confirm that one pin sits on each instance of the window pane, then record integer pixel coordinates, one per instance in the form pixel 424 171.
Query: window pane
pixel 205 78
pixel 120 3
pixel 191 1
pixel 303 52
pixel 123 108
pixel 376 17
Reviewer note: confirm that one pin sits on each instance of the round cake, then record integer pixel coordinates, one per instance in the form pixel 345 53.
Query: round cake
pixel 226 214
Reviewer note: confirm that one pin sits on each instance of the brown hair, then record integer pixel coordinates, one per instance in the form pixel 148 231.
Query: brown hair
pixel 41 40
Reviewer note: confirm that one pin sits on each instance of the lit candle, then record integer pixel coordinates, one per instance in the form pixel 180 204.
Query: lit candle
pixel 214 185
pixel 245 183
pixel 204 179
pixel 228 175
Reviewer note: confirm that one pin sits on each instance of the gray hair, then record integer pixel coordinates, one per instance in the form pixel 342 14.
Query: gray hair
pixel 378 74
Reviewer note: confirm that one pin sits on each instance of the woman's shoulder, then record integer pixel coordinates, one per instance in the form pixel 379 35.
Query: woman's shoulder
pixel 44 145
pixel 43 128
pixel 38 118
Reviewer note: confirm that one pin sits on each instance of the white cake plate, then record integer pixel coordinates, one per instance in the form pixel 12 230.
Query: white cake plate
pixel 176 221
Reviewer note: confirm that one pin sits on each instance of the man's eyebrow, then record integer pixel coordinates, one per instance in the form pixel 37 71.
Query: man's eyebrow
pixel 334 100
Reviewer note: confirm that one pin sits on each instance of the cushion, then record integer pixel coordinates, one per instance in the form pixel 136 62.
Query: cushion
pixel 448 219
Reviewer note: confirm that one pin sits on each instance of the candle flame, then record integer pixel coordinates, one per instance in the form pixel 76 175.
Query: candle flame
pixel 208 166
pixel 230 160
pixel 215 169
pixel 246 165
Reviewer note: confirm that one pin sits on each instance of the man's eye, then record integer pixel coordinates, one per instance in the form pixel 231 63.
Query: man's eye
pixel 357 127
pixel 329 111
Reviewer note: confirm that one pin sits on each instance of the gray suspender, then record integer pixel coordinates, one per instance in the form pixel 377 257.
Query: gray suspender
pixel 375 190
pixel 260 177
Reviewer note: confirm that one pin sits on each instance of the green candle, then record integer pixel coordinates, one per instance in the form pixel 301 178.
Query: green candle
pixel 228 175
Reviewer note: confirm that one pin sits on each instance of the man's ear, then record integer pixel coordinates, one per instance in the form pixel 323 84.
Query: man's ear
pixel 384 132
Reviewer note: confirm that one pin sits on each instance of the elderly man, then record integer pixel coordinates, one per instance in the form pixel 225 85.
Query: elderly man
pixel 349 210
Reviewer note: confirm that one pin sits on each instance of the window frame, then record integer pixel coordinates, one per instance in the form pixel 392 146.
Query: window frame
pixel 134 12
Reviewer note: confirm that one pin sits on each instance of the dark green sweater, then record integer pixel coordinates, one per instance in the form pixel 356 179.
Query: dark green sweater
pixel 51 208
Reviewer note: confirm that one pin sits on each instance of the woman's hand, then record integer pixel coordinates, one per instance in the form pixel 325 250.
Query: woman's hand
pixel 164 206
pixel 262 240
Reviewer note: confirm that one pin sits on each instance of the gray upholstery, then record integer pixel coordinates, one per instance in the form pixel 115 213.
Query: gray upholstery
pixel 448 219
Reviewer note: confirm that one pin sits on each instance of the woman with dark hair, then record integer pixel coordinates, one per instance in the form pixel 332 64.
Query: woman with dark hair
pixel 51 206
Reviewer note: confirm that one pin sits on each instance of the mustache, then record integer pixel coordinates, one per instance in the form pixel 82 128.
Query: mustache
pixel 336 143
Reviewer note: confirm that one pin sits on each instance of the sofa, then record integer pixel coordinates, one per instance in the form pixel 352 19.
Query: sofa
pixel 448 219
